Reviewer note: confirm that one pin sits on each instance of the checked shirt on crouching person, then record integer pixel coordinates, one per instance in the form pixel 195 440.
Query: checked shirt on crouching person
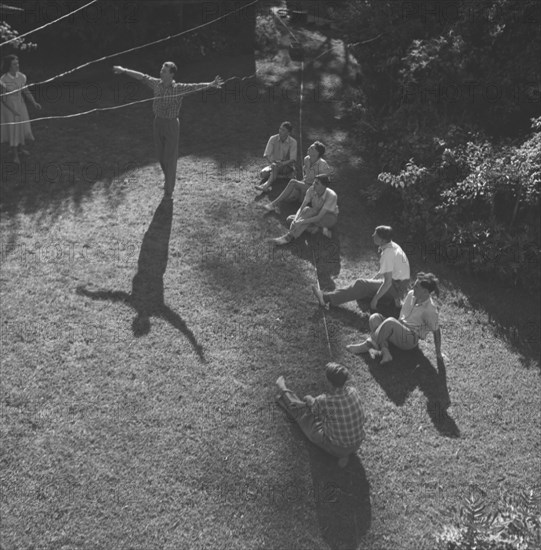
pixel 342 417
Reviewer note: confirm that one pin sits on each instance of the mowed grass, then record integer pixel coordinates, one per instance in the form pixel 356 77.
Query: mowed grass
pixel 171 439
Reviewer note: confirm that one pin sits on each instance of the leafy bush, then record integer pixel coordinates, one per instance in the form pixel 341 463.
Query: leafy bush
pixel 479 198
pixel 7 33
pixel 514 525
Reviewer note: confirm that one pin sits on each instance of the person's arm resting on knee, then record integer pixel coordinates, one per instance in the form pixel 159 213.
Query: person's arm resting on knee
pixel 385 286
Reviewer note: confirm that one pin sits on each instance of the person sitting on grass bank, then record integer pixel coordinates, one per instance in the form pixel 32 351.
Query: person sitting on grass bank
pixel 318 211
pixel 392 280
pixel 418 317
pixel 314 164
pixel 334 421
pixel 281 154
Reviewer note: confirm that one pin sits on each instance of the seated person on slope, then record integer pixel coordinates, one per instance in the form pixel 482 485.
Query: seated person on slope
pixel 281 153
pixel 333 421
pixel 318 211
pixel 418 317
pixel 314 164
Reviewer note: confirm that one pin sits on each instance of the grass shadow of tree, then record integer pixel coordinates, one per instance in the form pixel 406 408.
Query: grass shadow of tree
pixel 147 295
pixel 411 369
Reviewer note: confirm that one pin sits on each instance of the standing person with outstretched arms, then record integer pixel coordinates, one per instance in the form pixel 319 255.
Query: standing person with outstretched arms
pixel 166 106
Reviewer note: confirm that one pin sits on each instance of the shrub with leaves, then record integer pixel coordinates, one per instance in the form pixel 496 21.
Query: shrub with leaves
pixel 477 197
pixel 515 524
pixel 7 33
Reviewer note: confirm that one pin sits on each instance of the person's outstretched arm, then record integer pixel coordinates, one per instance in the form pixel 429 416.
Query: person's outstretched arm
pixel 195 86
pixel 117 69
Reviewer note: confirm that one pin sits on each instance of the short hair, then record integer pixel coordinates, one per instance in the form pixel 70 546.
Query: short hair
pixel 336 374
pixel 324 179
pixel 287 125
pixel 7 61
pixel 384 232
pixel 319 147
pixel 428 281
pixel 172 67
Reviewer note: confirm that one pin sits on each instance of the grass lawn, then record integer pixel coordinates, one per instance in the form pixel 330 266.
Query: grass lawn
pixel 131 424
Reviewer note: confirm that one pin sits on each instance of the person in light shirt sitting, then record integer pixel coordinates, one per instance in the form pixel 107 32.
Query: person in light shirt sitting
pixel 391 281
pixel 281 154
pixel 314 164
pixel 418 317
pixel 318 212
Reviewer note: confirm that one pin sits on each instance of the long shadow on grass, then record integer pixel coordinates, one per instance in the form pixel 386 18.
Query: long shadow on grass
pixel 146 297
pixel 342 496
pixel 342 499
pixel 411 369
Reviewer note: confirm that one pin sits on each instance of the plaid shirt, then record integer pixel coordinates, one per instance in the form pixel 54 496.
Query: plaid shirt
pixel 342 416
pixel 168 99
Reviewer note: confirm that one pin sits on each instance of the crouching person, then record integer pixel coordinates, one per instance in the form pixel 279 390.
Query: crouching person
pixel 333 421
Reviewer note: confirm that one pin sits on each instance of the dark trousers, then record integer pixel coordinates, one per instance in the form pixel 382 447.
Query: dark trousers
pixel 166 141
pixel 363 289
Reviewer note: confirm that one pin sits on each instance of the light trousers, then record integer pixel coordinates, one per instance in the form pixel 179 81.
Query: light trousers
pixel 383 331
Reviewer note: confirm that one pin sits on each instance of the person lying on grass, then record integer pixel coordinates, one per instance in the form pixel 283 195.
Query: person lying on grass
pixel 281 154
pixel 418 317
pixel 314 164
pixel 318 212
pixel 333 421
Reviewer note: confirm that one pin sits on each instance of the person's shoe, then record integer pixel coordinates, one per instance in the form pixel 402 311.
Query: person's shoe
pixel 281 240
pixel 281 384
pixel 263 189
pixel 356 349
pixel 343 462
pixel 327 232
pixel 269 207
pixel 319 295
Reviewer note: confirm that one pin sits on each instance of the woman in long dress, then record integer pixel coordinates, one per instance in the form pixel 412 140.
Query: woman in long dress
pixel 13 108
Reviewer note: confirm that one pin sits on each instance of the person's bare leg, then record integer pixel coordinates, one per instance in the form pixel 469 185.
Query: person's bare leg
pixel 288 193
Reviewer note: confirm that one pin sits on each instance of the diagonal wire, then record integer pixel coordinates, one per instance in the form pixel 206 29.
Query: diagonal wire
pixel 114 107
pixel 18 37
pixel 105 57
